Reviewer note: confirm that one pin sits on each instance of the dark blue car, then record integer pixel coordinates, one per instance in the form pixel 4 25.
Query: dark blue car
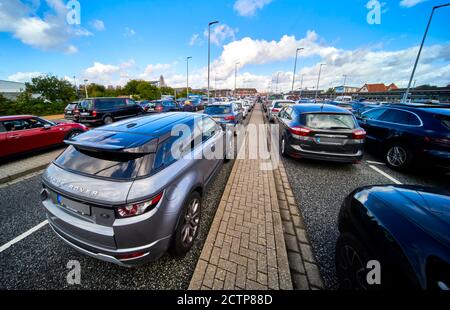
pixel 405 229
pixel 162 106
pixel 320 131
pixel 409 134
pixel 225 113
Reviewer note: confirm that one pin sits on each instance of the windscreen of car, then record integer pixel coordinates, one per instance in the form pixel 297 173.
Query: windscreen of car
pixel 329 121
pixel 168 103
pixel 105 164
pixel 71 106
pixel 215 110
pixel 282 104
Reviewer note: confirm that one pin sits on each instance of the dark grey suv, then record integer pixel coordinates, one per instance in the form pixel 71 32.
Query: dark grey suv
pixel 127 192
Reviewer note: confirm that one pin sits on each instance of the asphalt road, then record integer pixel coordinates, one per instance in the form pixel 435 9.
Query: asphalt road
pixel 39 261
pixel 320 187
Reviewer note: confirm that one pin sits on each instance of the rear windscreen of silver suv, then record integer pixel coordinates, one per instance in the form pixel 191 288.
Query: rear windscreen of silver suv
pixel 121 166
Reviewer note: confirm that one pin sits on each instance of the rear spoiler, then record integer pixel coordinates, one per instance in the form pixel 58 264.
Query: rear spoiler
pixel 147 148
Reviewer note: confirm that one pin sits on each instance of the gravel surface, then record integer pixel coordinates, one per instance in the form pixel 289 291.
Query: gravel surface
pixel 320 188
pixel 40 260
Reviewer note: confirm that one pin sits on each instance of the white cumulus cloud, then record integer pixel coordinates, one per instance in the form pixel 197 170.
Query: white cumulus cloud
pixel 23 76
pixel 410 3
pixel 249 7
pixel 221 33
pixel 98 25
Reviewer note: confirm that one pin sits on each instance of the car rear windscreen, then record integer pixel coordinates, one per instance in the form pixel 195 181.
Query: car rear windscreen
pixel 85 104
pixel 111 165
pixel 329 121
pixel 282 104
pixel 216 110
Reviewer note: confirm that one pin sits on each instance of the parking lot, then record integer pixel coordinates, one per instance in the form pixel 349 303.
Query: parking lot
pixel 42 254
pixel 320 187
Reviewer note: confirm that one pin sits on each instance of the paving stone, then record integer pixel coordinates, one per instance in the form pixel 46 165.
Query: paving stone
pixel 313 275
pixel 296 262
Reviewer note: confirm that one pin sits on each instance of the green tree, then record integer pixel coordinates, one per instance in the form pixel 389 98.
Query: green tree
pixel 131 87
pixel 96 90
pixel 147 91
pixel 52 88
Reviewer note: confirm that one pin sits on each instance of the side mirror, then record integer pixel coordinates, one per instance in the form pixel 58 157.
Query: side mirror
pixel 47 126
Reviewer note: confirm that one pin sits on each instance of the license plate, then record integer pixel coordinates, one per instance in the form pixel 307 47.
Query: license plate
pixel 69 112
pixel 329 141
pixel 217 119
pixel 73 205
pixel 84 114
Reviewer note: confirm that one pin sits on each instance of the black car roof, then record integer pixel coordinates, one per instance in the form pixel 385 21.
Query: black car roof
pixel 319 108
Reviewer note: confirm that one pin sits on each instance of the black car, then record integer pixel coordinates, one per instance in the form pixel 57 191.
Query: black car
pixel 405 230
pixel 323 132
pixel 71 112
pixel 408 134
pixel 107 110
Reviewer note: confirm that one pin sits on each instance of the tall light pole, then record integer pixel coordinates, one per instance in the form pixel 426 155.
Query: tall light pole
pixel 345 81
pixel 187 76
pixel 301 86
pixel 318 81
pixel 295 66
pixel 405 96
pixel 235 77
pixel 209 51
pixel 85 88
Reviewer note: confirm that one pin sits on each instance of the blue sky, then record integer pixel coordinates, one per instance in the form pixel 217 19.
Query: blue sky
pixel 119 40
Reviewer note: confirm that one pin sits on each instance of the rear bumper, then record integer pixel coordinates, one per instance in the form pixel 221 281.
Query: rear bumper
pixel 89 121
pixel 100 241
pixel 71 117
pixel 297 151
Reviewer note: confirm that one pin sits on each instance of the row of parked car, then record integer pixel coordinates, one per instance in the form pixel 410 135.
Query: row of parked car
pixel 405 134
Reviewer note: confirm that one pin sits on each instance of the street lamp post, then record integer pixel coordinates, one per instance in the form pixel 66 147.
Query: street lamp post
pixel 318 81
pixel 209 52
pixel 235 77
pixel 295 66
pixel 187 76
pixel 345 81
pixel 85 88
pixel 301 86
pixel 405 96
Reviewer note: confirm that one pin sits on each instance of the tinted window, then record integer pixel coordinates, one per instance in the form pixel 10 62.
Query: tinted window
pixel 209 129
pixel 330 121
pixel 445 120
pixel 215 110
pixel 71 106
pixel 17 124
pixel 168 103
pixel 86 104
pixel 105 164
pixel 164 156
pixel 398 117
pixel 2 128
pixel 373 114
pixel 109 103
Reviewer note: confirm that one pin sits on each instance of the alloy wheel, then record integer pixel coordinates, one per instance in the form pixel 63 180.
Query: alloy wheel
pixel 353 267
pixel 396 156
pixel 191 222
pixel 74 134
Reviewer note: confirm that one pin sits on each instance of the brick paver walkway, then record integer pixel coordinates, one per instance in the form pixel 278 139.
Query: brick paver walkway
pixel 245 247
pixel 22 167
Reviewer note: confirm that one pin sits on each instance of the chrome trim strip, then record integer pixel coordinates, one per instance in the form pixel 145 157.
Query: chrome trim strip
pixel 298 148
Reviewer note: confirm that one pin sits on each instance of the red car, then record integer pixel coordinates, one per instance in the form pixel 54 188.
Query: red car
pixel 21 134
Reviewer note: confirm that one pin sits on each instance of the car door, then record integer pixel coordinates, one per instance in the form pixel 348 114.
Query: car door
pixel 21 136
pixel 368 121
pixel 3 133
pixel 283 120
pixel 212 142
pixel 132 108
pixel 48 133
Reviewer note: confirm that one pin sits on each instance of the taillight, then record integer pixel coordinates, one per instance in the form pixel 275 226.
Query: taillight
pixel 140 208
pixel 442 141
pixel 359 134
pixel 229 118
pixel 300 131
pixel 94 113
pixel 275 110
pixel 76 111
pixel 159 109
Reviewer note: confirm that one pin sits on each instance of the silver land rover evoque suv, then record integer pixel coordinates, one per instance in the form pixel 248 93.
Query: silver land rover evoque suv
pixel 128 192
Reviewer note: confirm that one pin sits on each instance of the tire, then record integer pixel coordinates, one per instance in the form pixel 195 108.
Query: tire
pixel 283 147
pixel 73 134
pixel 351 258
pixel 108 120
pixel 182 241
pixel 399 156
